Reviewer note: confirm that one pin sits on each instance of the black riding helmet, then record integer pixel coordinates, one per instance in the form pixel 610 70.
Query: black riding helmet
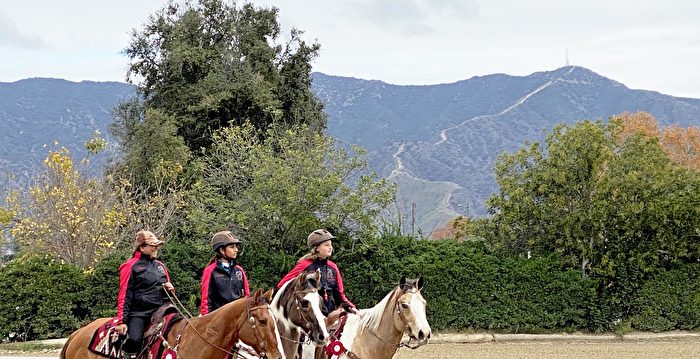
pixel 223 239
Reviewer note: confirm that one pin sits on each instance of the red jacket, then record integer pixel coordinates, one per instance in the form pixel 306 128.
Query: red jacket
pixel 332 289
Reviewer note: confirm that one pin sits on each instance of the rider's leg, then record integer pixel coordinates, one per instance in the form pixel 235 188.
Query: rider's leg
pixel 132 345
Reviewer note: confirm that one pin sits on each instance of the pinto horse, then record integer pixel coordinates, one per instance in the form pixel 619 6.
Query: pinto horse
pixel 376 332
pixel 297 309
pixel 212 336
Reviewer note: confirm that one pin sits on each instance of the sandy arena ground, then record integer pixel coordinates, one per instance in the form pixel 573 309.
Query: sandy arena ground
pixel 658 348
pixel 637 349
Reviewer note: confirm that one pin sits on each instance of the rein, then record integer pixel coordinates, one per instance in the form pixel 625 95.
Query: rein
pixel 249 310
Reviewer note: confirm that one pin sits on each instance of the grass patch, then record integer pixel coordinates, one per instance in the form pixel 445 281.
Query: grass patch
pixel 29 347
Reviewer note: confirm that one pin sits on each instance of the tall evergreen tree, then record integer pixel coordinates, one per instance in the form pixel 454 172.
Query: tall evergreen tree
pixel 203 66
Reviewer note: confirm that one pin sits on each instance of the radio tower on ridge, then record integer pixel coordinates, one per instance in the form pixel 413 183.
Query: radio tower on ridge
pixel 567 57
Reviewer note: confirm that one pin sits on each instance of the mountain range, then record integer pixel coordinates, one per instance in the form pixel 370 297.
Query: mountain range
pixel 438 142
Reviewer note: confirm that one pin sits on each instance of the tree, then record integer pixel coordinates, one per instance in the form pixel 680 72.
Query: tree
pixel 79 218
pixel 547 196
pixel 208 65
pixel 682 145
pixel 603 195
pixel 278 189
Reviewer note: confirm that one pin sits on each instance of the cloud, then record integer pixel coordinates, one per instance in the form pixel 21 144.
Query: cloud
pixel 12 36
pixel 410 17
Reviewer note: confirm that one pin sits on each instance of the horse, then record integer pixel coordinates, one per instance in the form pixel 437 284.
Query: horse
pixel 248 319
pixel 297 308
pixel 376 333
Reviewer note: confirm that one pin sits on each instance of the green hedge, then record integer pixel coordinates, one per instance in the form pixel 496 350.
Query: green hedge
pixel 467 287
pixel 671 300
pixel 40 298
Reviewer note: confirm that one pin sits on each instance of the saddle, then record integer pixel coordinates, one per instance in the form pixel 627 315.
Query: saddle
pixel 335 319
pixel 106 342
pixel 158 320
pixel 335 322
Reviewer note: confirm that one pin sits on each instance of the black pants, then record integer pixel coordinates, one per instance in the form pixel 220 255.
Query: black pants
pixel 134 335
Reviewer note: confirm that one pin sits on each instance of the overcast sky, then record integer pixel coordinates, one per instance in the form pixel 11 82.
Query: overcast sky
pixel 644 44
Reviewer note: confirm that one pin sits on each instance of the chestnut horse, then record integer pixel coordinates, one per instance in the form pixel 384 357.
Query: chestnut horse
pixel 376 332
pixel 297 309
pixel 247 319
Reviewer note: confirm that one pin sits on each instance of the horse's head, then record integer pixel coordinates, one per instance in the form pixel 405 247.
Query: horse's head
pixel 303 307
pixel 410 316
pixel 259 330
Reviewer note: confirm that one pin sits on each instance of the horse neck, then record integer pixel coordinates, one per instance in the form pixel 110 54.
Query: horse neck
pixel 279 302
pixel 220 327
pixel 384 336
pixel 289 333
pixel 387 326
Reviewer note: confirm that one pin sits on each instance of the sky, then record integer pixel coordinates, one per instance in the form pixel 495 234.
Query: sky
pixel 644 44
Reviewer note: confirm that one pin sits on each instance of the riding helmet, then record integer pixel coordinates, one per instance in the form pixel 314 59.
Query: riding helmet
pixel 222 239
pixel 318 236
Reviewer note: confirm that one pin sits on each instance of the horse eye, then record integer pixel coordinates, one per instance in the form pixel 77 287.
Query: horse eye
pixel 263 321
pixel 304 303
pixel 404 305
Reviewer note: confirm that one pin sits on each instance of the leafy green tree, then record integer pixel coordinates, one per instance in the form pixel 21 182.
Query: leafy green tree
pixel 547 196
pixel 650 209
pixel 206 65
pixel 278 189
pixel 605 201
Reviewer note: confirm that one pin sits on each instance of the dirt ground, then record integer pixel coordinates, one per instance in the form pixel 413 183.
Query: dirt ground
pixel 619 349
pixel 637 349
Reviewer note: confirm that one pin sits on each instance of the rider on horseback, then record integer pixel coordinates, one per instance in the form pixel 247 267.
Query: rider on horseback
pixel 142 284
pixel 332 291
pixel 223 280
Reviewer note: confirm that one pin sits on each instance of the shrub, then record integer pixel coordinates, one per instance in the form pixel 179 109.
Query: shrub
pixel 40 298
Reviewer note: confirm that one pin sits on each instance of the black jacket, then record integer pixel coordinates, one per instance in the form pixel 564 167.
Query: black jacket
pixel 141 290
pixel 221 286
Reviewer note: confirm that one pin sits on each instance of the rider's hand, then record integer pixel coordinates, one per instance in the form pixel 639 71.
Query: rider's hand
pixel 169 287
pixel 121 329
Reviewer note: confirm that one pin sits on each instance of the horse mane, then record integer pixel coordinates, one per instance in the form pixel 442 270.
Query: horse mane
pixel 373 316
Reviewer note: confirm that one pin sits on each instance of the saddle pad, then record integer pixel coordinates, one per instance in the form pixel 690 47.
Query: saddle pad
pixel 106 342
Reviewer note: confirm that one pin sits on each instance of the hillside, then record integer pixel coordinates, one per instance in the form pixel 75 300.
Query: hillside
pixel 438 142
pixel 40 111
pixel 452 133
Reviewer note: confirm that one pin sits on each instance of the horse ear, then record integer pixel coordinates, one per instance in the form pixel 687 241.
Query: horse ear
pixel 402 282
pixel 256 296
pixel 420 282
pixel 268 295
pixel 314 279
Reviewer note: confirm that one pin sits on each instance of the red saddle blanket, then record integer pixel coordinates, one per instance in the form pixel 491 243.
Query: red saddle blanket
pixel 107 343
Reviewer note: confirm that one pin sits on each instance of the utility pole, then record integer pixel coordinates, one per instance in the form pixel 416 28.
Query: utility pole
pixel 413 219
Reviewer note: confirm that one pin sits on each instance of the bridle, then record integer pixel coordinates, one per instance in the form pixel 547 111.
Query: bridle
pixel 250 319
pixel 306 322
pixel 404 321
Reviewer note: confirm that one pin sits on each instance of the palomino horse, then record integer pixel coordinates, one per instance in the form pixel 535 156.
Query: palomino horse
pixel 297 308
pixel 248 319
pixel 376 332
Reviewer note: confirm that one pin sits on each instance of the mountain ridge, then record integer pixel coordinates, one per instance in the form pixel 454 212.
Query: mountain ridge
pixel 438 141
